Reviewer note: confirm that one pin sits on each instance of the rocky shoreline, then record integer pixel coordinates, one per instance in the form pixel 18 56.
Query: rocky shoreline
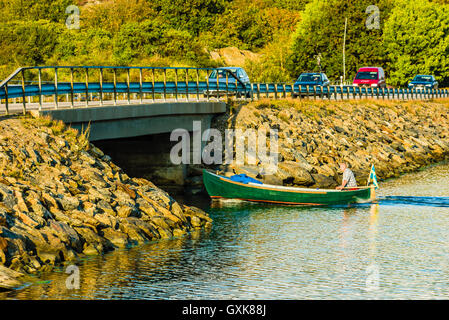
pixel 314 136
pixel 62 198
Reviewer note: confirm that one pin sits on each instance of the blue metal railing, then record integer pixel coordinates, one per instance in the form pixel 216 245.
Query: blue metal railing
pixel 161 82
pixel 182 81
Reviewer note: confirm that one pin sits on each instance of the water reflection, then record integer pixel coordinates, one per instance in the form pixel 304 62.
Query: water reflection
pixel 372 233
pixel 119 274
pixel 372 271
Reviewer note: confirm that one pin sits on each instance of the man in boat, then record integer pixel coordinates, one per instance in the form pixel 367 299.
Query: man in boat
pixel 348 177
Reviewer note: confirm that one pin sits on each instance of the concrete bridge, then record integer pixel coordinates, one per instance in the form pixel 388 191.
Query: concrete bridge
pixel 140 119
pixel 121 102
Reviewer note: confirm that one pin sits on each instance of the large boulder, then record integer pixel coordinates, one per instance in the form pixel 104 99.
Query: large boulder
pixel 324 182
pixel 294 172
pixel 250 171
pixel 116 237
pixel 273 180
pixel 9 279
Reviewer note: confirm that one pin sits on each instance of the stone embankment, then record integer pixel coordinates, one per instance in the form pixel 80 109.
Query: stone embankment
pixel 314 136
pixel 61 198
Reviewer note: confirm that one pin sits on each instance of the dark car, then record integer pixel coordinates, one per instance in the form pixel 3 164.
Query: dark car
pixel 229 75
pixel 310 80
pixel 239 72
pixel 423 82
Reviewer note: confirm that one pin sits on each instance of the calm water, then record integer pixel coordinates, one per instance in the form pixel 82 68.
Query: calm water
pixel 396 249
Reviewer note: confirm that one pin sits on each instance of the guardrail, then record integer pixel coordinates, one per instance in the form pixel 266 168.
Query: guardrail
pixel 100 85
pixel 108 82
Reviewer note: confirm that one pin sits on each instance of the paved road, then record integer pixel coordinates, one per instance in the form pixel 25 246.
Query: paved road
pixel 15 108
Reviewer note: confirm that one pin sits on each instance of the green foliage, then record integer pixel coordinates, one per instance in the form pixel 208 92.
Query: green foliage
pixel 83 47
pixel 111 15
pixel 250 24
pixel 242 25
pixel 135 38
pixel 27 43
pixel 417 40
pixel 32 10
pixel 297 5
pixel 153 37
pixel 321 31
pixel 113 32
pixel 191 15
pixel 287 35
pixel 272 66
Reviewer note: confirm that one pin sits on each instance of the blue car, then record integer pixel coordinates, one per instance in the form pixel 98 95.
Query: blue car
pixel 311 79
pixel 238 72
pixel 423 82
pixel 234 74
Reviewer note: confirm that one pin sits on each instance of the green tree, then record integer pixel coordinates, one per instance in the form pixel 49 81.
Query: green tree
pixel 34 10
pixel 250 24
pixel 321 30
pixel 137 39
pixel 296 5
pixel 155 37
pixel 417 39
pixel 91 46
pixel 272 65
pixel 191 15
pixel 111 15
pixel 27 43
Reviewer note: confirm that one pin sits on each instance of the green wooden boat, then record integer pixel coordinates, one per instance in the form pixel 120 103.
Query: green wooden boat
pixel 220 187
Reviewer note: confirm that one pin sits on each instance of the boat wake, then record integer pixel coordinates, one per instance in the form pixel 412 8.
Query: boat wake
pixel 382 200
pixel 414 201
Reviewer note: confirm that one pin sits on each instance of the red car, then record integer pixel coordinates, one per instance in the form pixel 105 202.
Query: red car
pixel 370 77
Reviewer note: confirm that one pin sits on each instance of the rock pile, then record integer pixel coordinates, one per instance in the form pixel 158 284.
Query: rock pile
pixel 314 136
pixel 232 56
pixel 61 197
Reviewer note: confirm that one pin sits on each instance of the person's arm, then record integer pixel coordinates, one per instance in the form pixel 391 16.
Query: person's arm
pixel 343 183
